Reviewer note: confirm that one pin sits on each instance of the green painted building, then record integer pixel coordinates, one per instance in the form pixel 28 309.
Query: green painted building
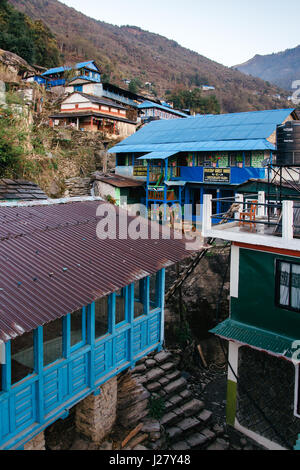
pixel 263 330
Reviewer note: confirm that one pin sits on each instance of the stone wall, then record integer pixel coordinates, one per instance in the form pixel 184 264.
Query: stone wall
pixel 270 382
pixel 76 187
pixel 96 414
pixel 37 443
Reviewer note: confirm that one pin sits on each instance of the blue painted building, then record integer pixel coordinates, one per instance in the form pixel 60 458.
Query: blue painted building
pixel 56 76
pixel 75 310
pixel 180 160
pixel 154 111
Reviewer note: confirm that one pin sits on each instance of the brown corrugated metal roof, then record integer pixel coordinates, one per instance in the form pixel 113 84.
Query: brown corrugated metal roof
pixel 119 181
pixel 52 262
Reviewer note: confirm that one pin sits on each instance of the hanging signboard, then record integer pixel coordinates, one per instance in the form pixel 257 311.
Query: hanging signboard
pixel 217 175
pixel 140 171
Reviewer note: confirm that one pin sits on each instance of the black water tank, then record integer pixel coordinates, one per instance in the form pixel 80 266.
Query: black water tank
pixel 288 144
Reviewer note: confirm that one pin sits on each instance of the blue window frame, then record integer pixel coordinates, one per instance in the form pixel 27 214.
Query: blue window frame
pixel 141 300
pixel 121 307
pixel 154 293
pixel 53 342
pixel 78 329
pixel 78 88
pixel 22 357
pixel 102 317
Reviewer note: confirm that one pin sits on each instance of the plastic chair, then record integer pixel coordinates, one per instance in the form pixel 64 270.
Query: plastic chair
pixel 249 218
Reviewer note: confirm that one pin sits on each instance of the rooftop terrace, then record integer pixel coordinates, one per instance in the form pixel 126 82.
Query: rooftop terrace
pixel 255 221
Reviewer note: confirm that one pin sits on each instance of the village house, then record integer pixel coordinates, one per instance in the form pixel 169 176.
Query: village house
pixel 150 111
pixel 59 76
pixel 76 311
pixel 95 114
pixel 117 189
pixel 263 393
pixel 181 160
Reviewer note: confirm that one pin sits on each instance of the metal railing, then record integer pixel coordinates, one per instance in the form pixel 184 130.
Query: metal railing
pixel 267 214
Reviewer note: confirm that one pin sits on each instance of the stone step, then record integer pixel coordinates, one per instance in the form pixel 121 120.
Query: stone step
pixel 153 387
pixel 154 374
pixel 192 407
pixel 169 418
pixel 180 446
pixel 196 440
pixel 173 375
pixel 176 386
pixel 188 424
pixel 168 367
pixel 162 357
pixel 205 416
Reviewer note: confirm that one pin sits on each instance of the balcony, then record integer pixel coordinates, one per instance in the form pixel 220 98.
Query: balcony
pixel 271 224
pixel 158 194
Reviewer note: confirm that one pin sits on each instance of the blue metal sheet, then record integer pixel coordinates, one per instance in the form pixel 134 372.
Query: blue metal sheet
pixel 238 131
pixel 210 146
pixel 150 104
pixel 157 155
pixel 89 64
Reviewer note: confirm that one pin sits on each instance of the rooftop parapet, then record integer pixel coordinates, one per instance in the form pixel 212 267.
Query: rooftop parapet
pixel 256 222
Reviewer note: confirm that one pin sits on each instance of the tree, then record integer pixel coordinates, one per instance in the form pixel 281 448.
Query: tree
pixel 31 40
pixel 135 85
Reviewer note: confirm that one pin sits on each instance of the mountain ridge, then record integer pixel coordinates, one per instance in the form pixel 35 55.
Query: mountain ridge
pixel 128 52
pixel 280 68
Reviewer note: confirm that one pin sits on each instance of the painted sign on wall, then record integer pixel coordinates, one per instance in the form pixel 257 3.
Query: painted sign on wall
pixel 217 175
pixel 140 171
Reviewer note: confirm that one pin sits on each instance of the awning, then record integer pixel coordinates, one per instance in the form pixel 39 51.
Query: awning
pixel 157 155
pixel 256 338
pixel 175 183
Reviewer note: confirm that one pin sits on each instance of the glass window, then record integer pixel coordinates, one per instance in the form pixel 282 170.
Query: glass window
pixel 1 371
pixel 78 327
pixel 22 357
pixel 120 306
pixel 288 285
pixel 52 338
pixel 200 159
pixel 139 308
pixel 101 317
pixel 153 291
pixel 248 159
pixel 233 159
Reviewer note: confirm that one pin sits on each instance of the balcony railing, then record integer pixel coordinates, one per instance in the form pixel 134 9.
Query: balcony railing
pixel 158 194
pixel 269 224
pixel 229 175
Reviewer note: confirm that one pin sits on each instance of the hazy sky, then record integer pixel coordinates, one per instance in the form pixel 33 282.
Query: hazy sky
pixel 228 31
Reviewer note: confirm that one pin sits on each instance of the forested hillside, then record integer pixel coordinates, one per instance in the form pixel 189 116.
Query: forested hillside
pixel 282 68
pixel 129 53
pixel 28 38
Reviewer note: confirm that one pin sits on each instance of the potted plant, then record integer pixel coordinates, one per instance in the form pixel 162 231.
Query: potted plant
pixel 214 160
pixel 240 161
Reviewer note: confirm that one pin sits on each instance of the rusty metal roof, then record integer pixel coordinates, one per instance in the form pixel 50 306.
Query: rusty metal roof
pixel 119 181
pixel 52 262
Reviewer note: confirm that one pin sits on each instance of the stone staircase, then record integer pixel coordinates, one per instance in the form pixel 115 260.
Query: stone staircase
pixel 184 422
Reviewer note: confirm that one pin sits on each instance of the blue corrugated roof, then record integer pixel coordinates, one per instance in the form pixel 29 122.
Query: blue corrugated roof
pixel 238 131
pixel 150 104
pixel 157 155
pixel 210 146
pixel 90 64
